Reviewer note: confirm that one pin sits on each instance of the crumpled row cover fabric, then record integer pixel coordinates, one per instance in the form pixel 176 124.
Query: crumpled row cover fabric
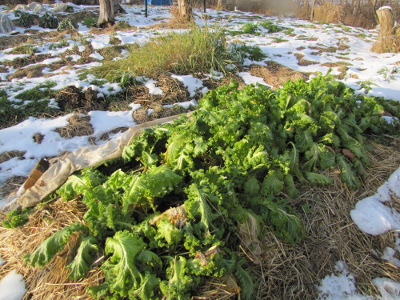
pixel 62 167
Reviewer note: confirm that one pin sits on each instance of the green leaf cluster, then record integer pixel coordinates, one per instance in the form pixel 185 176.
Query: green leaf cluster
pixel 17 217
pixel 166 217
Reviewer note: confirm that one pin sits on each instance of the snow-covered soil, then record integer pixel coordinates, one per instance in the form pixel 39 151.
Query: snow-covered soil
pixel 303 46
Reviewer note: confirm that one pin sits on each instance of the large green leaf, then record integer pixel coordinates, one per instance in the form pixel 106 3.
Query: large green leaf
pixel 52 245
pixel 120 270
pixel 84 257
pixel 273 183
pixel 80 183
pixel 286 226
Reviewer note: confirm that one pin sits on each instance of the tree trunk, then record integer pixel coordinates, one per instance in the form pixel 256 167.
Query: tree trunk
pixel 386 21
pixel 185 10
pixel 389 34
pixel 312 10
pixel 107 14
pixel 118 9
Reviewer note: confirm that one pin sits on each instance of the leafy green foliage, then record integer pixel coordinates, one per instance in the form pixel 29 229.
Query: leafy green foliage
pixel 120 270
pixel 166 217
pixel 51 246
pixel 84 257
pixel 25 19
pixel 179 283
pixel 24 49
pixel 249 28
pixel 17 217
pixel 286 226
pixel 89 21
pixel 67 24
pixel 48 21
pixel 241 52
pixel 272 28
pixel 79 183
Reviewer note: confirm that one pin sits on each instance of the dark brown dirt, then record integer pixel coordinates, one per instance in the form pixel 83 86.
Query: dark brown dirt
pixel 72 99
pixel 38 137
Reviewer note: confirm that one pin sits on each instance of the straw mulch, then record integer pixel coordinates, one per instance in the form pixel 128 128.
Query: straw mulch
pixel 79 125
pixel 276 74
pixel 51 282
pixel 293 271
pixel 281 271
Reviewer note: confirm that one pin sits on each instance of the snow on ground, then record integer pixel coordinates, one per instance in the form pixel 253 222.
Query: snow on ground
pixel 192 84
pixel 373 217
pixel 12 286
pixel 341 286
pixel 250 79
pixel 303 46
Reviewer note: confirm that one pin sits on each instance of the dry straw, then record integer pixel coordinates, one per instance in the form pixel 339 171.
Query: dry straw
pixel 282 271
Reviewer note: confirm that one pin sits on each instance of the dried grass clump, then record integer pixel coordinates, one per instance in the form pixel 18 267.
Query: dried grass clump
pixel 327 13
pixel 79 125
pixel 11 185
pixel 275 74
pixel 5 156
pixel 51 282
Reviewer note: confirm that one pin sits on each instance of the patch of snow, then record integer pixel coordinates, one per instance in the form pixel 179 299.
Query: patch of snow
pixel 388 255
pixel 97 56
pixel 105 121
pixel 216 75
pixel 12 286
pixel 372 216
pixel 74 57
pixel 385 7
pixel 250 79
pixel 394 183
pixel 192 84
pixel 100 41
pixel 185 105
pixel 388 288
pixel 11 57
pixel 153 90
pixel 341 286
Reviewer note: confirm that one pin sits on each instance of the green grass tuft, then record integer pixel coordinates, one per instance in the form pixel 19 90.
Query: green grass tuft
pixel 198 50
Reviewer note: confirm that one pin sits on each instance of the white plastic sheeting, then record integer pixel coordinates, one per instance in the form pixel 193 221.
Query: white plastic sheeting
pixel 62 167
